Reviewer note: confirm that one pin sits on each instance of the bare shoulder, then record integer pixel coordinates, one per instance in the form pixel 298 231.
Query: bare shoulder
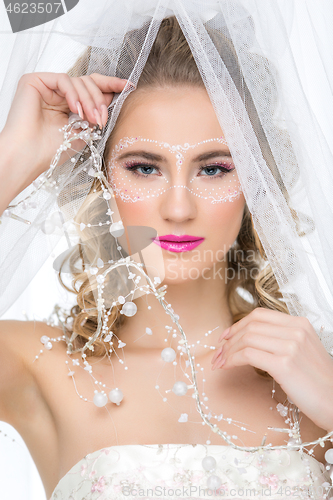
pixel 25 401
pixel 19 385
pixel 20 339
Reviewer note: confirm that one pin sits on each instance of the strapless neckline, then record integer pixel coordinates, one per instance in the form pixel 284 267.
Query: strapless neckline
pixel 108 470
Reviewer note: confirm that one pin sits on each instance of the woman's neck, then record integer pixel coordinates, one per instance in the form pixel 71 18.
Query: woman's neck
pixel 201 305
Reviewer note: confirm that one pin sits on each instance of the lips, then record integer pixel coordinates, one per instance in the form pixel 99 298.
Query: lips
pixel 179 239
pixel 183 243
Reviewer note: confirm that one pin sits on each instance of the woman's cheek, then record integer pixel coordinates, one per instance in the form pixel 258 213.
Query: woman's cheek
pixel 226 220
pixel 135 214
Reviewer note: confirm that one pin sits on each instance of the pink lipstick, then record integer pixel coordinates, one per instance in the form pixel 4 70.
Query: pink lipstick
pixel 173 243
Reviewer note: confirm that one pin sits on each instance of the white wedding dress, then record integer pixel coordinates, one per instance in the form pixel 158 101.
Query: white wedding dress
pixel 176 471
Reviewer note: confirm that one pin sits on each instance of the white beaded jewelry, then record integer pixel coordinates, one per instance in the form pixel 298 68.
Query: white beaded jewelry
pixel 179 388
pixel 45 179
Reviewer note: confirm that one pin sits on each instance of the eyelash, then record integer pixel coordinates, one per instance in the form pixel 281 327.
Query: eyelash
pixel 132 167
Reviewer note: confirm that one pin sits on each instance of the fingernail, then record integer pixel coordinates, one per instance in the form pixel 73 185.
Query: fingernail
pixel 219 363
pixel 223 334
pixel 216 354
pixel 129 82
pixel 98 118
pixel 79 110
pixel 104 112
pixel 216 362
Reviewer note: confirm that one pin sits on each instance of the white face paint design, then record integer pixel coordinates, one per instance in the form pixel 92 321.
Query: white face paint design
pixel 133 178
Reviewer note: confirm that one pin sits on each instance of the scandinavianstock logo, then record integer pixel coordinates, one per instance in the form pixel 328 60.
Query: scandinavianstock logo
pixel 23 15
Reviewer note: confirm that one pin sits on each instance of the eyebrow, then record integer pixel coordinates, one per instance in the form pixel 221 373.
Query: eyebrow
pixel 157 157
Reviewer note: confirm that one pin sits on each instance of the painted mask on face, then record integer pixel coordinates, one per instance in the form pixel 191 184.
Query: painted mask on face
pixel 136 174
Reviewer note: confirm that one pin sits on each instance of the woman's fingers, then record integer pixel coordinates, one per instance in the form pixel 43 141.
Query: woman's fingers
pixel 268 337
pixel 99 101
pixel 91 98
pixel 261 342
pixel 91 91
pixel 263 315
pixel 102 89
pixel 269 331
pixel 86 99
pixel 255 357
pixel 216 354
pixel 56 89
pixel 109 84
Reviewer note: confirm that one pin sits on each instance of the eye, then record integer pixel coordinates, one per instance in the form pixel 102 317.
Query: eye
pixel 221 168
pixel 146 169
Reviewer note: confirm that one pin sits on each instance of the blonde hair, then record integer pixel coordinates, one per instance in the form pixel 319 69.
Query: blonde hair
pixel 171 63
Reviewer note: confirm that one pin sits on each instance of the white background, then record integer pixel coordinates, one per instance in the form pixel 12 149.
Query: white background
pixel 19 478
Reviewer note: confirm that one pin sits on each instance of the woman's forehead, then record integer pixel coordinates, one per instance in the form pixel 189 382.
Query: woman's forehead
pixel 176 116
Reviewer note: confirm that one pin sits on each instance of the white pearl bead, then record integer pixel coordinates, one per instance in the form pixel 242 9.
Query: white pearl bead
pixel 57 219
pixel 292 443
pixel 117 229
pixel 106 195
pixel 168 354
pixel 214 482
pixel 329 456
pixel 116 396
pixel 100 263
pixel 209 463
pixel 180 388
pixel 129 309
pixel 73 117
pixel 44 339
pixel 47 226
pixel 100 399
pixel 48 345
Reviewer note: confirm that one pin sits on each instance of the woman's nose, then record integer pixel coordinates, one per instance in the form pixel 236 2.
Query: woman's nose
pixel 178 203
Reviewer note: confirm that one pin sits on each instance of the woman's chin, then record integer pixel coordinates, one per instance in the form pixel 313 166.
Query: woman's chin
pixel 181 275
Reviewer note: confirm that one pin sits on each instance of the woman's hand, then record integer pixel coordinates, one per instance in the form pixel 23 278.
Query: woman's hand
pixel 40 107
pixel 289 349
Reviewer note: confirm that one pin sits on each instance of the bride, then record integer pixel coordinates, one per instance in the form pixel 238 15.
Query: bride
pixel 259 369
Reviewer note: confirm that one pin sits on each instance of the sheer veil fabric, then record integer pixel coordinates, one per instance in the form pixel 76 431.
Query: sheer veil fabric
pixel 276 118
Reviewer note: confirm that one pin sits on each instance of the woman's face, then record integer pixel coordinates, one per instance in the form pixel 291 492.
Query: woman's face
pixel 171 170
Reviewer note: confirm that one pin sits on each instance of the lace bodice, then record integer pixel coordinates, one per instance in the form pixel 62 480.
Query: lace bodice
pixel 177 471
